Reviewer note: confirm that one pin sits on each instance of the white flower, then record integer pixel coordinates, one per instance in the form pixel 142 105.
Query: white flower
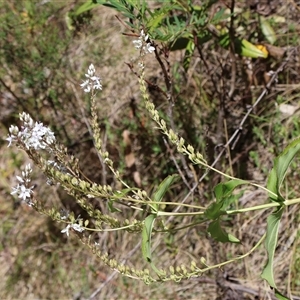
pixel 31 135
pixel 138 44
pixel 148 48
pixel 10 139
pixel 22 189
pixel 66 230
pixel 93 82
pixel 75 226
pixel 91 71
pixel 22 192
pixel 144 44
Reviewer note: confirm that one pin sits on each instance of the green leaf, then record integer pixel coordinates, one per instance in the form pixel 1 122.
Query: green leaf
pixel 146 241
pixel 157 17
pixel 242 47
pixel 280 296
pixel 267 30
pixel 85 7
pixel 122 6
pixel 224 40
pixel 220 16
pixel 223 190
pixel 224 198
pixel 279 170
pixel 272 185
pixel 273 222
pixel 245 48
pixel 146 237
pixel 217 233
pixel 163 188
pixel 214 210
pixel 188 55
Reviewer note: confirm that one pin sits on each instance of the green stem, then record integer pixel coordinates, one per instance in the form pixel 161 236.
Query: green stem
pixel 236 258
pixel 162 213
pixel 264 206
pixel 108 229
pixel 291 202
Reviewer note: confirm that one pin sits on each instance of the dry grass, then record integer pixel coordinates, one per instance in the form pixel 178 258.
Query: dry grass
pixel 38 262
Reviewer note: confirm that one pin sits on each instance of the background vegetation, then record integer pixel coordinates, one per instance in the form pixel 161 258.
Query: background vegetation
pixel 46 48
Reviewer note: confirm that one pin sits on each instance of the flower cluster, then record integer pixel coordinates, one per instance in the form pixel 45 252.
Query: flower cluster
pixel 143 43
pixel 74 226
pixel 93 82
pixel 22 189
pixel 32 135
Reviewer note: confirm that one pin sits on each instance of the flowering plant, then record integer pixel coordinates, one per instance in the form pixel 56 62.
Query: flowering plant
pixel 151 214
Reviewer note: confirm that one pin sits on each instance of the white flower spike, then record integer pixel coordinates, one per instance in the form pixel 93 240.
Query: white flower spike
pixel 32 135
pixel 93 82
pixel 144 44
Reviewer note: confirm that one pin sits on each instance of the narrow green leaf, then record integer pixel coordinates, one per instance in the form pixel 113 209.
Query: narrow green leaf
pixel 189 51
pixel 146 242
pixel 163 188
pixel 279 170
pixel 280 296
pixel 286 158
pixel 219 234
pixel 220 15
pixel 273 222
pixel 224 40
pixel 267 30
pixel 272 186
pixel 157 17
pixel 146 237
pixel 140 7
pixel 86 7
pixel 120 6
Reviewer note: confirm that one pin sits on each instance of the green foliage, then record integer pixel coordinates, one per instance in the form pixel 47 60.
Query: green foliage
pixel 146 242
pixel 162 189
pixel 146 237
pixel 223 191
pixel 88 5
pixel 280 168
pixel 120 6
pixel 273 222
pixel 218 233
pixel 267 30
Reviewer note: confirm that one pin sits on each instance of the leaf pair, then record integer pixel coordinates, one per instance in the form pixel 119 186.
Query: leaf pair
pixel 275 180
pixel 224 198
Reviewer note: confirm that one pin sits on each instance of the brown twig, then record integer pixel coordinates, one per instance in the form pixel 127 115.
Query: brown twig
pixel 176 164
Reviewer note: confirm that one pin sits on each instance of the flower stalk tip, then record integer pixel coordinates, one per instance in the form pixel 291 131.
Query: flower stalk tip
pixel 93 82
pixel 144 44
